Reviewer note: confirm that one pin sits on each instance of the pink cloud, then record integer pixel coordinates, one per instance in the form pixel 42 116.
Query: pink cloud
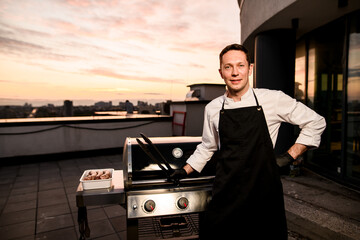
pixel 90 3
pixel 113 74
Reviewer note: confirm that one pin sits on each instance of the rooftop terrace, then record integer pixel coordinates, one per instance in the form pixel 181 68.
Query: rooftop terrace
pixel 37 201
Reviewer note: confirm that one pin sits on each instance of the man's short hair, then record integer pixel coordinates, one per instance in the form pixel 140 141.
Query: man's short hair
pixel 237 47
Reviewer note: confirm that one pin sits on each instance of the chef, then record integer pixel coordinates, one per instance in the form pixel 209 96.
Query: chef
pixel 242 127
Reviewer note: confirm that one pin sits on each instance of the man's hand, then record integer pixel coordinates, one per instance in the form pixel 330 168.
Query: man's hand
pixel 178 174
pixel 284 159
pixel 291 155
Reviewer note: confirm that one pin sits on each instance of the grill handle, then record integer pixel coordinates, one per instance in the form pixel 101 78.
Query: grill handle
pixel 148 141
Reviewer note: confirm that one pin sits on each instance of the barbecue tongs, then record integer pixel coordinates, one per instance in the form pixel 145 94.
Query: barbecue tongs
pixel 146 148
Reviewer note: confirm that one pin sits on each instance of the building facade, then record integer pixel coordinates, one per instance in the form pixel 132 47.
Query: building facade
pixel 311 51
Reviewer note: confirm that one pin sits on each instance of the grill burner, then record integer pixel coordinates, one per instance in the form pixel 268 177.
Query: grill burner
pixel 178 227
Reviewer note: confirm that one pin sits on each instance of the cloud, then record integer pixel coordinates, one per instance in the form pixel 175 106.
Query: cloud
pixel 112 74
pixel 91 3
pixel 34 51
pixel 16 45
pixel 154 94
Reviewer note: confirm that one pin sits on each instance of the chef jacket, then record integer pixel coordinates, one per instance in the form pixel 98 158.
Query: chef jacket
pixel 277 106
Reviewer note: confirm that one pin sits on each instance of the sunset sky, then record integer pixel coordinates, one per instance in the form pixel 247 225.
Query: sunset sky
pixel 88 50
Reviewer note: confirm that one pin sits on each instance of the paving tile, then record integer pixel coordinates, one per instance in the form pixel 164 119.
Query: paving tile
pixel 23 197
pixel 18 206
pixel 50 185
pixel 109 237
pixel 60 234
pixel 115 211
pixel 26 178
pixel 22 190
pixel 28 169
pixel 72 202
pixel 118 223
pixel 51 197
pixel 50 177
pixel 27 183
pixel 8 169
pixel 17 217
pixel 12 231
pixel 54 223
pixel 53 210
pixel 71 189
pixel 96 214
pixel 100 228
pixel 3 201
pixel 30 237
pixel 122 235
pixel 5 192
pixel 7 179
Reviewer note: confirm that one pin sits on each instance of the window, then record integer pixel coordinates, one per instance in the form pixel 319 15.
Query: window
pixel 328 71
pixel 353 101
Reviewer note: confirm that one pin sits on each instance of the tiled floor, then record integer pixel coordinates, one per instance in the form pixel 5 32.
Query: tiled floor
pixel 37 201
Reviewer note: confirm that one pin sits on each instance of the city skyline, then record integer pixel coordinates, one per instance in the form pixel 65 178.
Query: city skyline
pixel 89 51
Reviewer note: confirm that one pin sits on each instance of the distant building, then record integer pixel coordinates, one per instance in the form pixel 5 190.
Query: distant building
pixel 188 115
pixel 103 105
pixel 204 91
pixel 68 110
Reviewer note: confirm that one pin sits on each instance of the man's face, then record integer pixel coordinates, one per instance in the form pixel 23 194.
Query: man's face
pixel 235 71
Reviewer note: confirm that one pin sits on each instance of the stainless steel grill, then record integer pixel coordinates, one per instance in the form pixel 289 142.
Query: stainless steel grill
pixel 155 204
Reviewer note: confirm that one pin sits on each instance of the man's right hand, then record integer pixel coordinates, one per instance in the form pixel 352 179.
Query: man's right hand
pixel 178 174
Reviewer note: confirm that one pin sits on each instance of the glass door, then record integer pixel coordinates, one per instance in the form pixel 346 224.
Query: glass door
pixel 353 102
pixel 325 92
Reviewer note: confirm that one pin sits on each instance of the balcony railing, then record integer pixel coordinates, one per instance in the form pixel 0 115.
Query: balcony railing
pixel 42 136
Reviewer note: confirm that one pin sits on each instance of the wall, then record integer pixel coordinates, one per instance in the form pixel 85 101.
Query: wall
pixel 74 136
pixel 194 115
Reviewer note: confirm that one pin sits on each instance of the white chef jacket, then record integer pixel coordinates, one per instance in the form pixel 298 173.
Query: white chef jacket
pixel 277 106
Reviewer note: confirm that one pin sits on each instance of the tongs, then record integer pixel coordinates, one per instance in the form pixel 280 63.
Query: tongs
pixel 147 148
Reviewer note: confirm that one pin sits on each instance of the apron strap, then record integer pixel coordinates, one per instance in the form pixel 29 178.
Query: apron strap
pixel 257 103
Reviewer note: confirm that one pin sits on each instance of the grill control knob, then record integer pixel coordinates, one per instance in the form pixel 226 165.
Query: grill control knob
pixel 149 206
pixel 183 203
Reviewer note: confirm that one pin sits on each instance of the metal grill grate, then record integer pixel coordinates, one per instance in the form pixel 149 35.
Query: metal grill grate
pixel 150 229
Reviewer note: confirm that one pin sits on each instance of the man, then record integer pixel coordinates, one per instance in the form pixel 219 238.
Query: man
pixel 129 107
pixel 242 127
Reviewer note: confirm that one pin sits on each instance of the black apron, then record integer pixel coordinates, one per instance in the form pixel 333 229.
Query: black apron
pixel 247 200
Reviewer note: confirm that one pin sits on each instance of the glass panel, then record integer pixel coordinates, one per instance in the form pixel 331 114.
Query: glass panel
pixel 353 101
pixel 325 92
pixel 311 78
pixel 300 71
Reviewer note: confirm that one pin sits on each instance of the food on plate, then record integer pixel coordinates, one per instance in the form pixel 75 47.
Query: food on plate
pixel 97 174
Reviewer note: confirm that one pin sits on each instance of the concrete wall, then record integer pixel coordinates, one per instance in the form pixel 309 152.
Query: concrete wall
pixel 256 12
pixel 98 135
pixel 194 115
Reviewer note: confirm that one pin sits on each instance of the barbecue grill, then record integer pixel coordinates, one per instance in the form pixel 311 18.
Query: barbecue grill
pixel 159 207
